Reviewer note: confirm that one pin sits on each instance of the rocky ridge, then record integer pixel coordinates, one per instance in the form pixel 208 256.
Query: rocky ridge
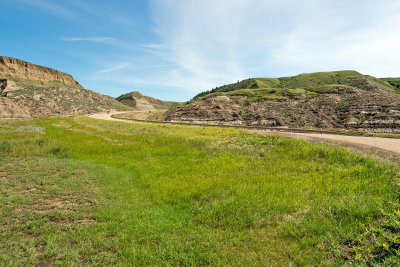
pixel 28 90
pixel 338 100
pixel 22 71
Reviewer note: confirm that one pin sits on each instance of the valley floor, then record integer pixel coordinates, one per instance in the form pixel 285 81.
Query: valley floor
pixel 391 145
pixel 83 191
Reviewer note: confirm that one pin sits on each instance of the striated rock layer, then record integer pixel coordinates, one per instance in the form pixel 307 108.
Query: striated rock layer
pixel 19 70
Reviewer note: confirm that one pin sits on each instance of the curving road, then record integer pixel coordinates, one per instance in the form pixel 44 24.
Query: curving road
pixel 107 116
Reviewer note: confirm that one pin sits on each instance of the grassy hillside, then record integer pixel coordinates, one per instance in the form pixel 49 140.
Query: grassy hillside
pixel 395 82
pixel 313 82
pixel 78 191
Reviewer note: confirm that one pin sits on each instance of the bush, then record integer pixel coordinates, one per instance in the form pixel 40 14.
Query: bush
pixel 5 146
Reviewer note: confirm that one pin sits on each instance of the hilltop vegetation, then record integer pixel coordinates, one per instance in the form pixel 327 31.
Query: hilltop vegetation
pixel 84 191
pixel 395 82
pixel 313 82
pixel 341 99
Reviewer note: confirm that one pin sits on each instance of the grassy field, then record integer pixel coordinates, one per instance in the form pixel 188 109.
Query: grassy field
pixel 80 191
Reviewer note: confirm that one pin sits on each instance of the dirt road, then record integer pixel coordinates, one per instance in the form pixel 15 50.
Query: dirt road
pixel 107 116
pixel 389 144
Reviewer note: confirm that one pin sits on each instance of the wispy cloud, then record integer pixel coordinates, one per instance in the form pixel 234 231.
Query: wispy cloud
pixel 117 67
pixel 193 45
pixel 214 42
pixel 99 39
pixel 211 42
pixel 106 11
pixel 370 47
pixel 113 42
pixel 51 7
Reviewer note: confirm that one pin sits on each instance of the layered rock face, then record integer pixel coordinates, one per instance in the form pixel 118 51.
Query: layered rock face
pixel 366 105
pixel 30 91
pixel 18 70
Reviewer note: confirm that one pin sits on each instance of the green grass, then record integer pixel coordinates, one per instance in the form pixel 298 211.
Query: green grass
pixel 319 78
pixel 154 115
pixel 267 82
pixel 383 135
pixel 157 115
pixel 91 192
pixel 395 82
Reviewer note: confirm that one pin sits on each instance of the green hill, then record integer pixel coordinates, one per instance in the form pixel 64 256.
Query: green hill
pixel 395 82
pixel 338 99
pixel 311 82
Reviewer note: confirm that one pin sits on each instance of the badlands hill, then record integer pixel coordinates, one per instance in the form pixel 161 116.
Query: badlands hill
pixel 140 102
pixel 341 99
pixel 28 90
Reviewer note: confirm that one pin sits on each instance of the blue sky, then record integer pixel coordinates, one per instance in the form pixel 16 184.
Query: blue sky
pixel 174 49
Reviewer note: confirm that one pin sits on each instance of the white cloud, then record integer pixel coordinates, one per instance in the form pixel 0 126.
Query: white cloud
pixel 370 47
pixel 210 42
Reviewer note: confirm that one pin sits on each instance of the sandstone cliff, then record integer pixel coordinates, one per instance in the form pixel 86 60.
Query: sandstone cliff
pixel 21 71
pixel 28 90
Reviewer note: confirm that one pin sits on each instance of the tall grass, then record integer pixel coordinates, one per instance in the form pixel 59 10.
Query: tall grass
pixel 187 195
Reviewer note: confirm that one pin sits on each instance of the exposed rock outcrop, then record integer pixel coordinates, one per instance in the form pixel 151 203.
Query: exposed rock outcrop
pixel 359 102
pixel 28 90
pixel 19 70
